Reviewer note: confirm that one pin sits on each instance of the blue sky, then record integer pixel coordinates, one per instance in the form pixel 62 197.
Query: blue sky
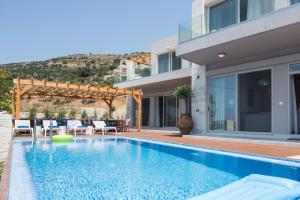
pixel 42 29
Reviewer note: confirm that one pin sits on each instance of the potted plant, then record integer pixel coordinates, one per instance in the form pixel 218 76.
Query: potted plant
pixel 185 122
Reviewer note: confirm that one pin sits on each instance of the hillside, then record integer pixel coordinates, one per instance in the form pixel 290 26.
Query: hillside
pixel 80 68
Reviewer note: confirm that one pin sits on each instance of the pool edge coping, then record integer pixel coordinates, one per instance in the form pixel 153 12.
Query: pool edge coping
pixel 4 185
pixel 5 179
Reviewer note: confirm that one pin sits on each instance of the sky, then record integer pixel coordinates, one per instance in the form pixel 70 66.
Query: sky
pixel 33 30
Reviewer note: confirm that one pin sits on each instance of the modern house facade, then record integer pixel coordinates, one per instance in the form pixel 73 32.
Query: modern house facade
pixel 245 74
pixel 160 107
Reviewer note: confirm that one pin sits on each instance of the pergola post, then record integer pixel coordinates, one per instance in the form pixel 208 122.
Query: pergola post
pixel 109 104
pixel 13 103
pixel 18 99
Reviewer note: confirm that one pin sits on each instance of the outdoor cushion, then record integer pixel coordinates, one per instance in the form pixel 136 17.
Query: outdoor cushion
pixel 256 187
pixel 53 126
pixel 23 127
pixel 83 126
pixel 109 127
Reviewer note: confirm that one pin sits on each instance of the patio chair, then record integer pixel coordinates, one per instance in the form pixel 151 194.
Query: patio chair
pixel 76 125
pixel 101 125
pixel 22 125
pixel 47 126
pixel 127 125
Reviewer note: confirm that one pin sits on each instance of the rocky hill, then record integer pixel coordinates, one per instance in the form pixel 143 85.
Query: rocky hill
pixel 80 68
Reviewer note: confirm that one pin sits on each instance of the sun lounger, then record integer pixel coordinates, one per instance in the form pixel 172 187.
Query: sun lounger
pixel 256 187
pixel 76 125
pixel 22 125
pixel 47 126
pixel 101 125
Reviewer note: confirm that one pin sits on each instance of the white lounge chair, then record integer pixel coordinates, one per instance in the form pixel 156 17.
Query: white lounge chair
pixel 22 125
pixel 101 125
pixel 76 125
pixel 47 126
pixel 256 187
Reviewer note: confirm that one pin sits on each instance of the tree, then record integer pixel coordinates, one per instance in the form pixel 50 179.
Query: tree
pixel 5 97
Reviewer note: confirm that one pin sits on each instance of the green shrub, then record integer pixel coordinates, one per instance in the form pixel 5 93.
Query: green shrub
pixel 47 113
pixel 1 168
pixel 72 114
pixel 61 114
pixel 84 115
pixel 95 114
pixel 32 113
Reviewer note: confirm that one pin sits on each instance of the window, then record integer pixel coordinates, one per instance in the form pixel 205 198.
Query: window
pixel 223 14
pixel 222 103
pixel 163 63
pixel 255 101
pixel 226 13
pixel 176 62
pixel 168 62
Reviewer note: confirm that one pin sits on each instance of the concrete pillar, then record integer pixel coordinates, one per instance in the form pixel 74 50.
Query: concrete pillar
pixel 152 112
pixel 199 106
pixel 198 18
pixel 129 114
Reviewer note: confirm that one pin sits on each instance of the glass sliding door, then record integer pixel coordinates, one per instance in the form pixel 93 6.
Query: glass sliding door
pixel 223 14
pixel 222 103
pixel 170 111
pixel 254 96
pixel 163 62
pixel 145 111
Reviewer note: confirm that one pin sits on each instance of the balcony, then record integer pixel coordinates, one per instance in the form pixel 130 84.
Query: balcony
pixel 268 34
pixel 200 26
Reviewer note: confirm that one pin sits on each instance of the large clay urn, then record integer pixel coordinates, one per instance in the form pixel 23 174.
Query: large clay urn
pixel 185 124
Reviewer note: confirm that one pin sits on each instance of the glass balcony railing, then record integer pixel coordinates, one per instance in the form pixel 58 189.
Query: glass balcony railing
pixel 222 15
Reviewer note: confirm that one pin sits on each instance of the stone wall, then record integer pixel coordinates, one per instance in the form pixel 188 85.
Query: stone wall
pixel 5 134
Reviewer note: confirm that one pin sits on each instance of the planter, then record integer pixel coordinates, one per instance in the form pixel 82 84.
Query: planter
pixel 185 124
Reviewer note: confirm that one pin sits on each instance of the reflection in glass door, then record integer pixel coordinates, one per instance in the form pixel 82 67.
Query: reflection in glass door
pixel 145 111
pixel 222 103
pixel 170 111
pixel 255 94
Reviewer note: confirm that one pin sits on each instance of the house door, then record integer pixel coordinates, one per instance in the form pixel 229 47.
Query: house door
pixel 295 103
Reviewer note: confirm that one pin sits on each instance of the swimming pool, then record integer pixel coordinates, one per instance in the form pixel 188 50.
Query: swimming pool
pixel 127 168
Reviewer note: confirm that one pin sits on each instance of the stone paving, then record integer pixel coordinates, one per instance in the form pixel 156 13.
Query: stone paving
pixel 5 134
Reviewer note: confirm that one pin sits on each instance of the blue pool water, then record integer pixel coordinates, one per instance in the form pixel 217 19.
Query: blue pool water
pixel 131 169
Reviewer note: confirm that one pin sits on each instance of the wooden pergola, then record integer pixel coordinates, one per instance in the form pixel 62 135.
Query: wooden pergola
pixel 45 88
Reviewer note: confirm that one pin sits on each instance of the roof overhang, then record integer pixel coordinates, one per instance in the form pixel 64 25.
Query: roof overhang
pixel 275 34
pixel 159 83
